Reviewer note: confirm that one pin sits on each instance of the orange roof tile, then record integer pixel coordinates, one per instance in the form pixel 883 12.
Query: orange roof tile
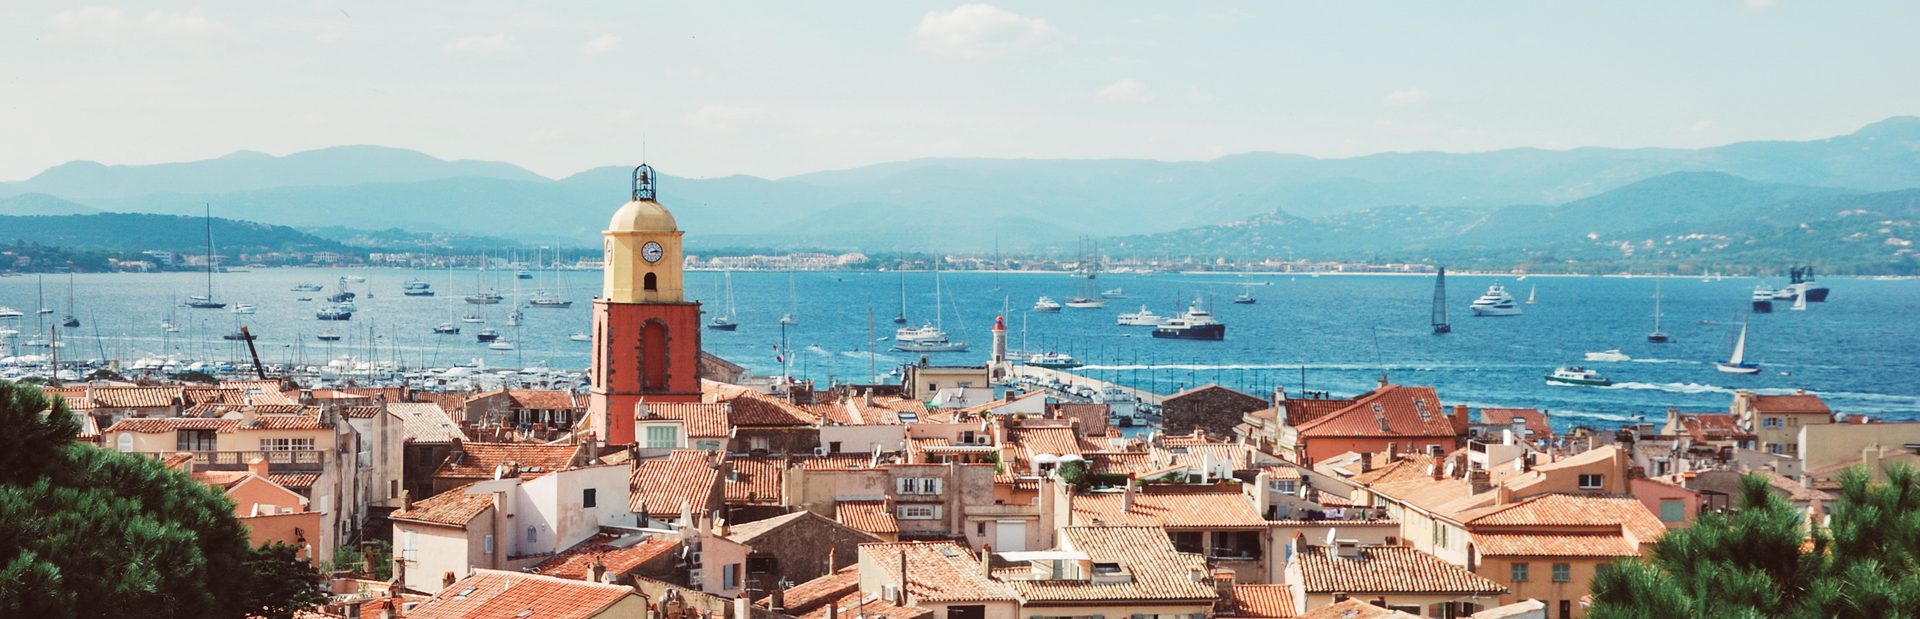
pixel 1553 545
pixel 701 420
pixel 212 409
pixel 1387 569
pixel 1058 441
pixel 1799 403
pixel 451 508
pixel 870 516
pixel 284 422
pixel 841 590
pixel 545 399
pixel 160 425
pixel 423 422
pixel 479 460
pixel 834 461
pixel 1159 572
pixel 1354 608
pixel 1393 410
pixel 756 409
pixel 1175 506
pixel 295 481
pixel 1261 602
pixel 755 480
pixel 1566 514
pixel 490 594
pixel 1120 463
pixel 616 555
pixel 1302 410
pixel 1706 427
pixel 662 486
pixel 942 571
pixel 1529 418
pixel 135 397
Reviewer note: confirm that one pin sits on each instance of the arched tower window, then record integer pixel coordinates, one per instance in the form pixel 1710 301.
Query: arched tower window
pixel 651 283
pixel 653 354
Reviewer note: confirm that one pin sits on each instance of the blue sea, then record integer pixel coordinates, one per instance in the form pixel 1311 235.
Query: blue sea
pixel 1858 350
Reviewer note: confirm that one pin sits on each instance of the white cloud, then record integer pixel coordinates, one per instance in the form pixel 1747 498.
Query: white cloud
pixel 481 44
pixel 112 24
pixel 724 118
pixel 1410 96
pixel 602 44
pixel 973 31
pixel 1124 90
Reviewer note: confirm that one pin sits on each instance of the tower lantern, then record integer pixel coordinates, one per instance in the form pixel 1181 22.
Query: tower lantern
pixel 646 335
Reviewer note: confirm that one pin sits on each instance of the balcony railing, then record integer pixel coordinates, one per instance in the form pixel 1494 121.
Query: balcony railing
pixel 302 460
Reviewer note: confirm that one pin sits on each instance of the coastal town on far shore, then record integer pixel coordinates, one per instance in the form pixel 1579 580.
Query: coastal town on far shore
pixel 671 483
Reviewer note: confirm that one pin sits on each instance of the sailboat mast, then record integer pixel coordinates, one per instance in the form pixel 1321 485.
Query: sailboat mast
pixel 1656 306
pixel 1440 299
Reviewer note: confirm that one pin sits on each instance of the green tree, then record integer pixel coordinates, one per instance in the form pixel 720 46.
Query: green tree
pixel 86 532
pixel 1761 561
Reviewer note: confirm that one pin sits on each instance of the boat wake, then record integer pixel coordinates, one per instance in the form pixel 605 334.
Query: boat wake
pixel 1673 387
pixel 1668 361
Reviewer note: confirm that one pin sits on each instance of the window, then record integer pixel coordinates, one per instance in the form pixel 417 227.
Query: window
pixel 929 485
pixel 919 512
pixel 662 437
pixel 1673 510
pixel 393 488
pixel 411 549
pixel 917 485
pixel 195 440
pixel 709 445
pixel 980 529
pixel 1284 486
pixel 1592 481
pixel 762 565
pixel 1770 422
pixel 729 573
pixel 533 534
pixel 1562 572
pixel 1519 572
pixel 1433 449
pixel 758 442
pixel 652 282
pixel 833 447
pixel 286 444
pixel 489 543
pixel 589 497
pixel 1776 448
pixel 1566 609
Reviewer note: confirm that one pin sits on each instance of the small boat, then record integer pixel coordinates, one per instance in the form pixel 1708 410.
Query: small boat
pixel 415 288
pixel 793 304
pixel 1496 302
pixel 303 298
pixel 1195 324
pixel 548 300
pixel 1143 318
pixel 513 317
pixel 357 279
pixel 70 322
pixel 1737 363
pixel 1113 293
pixel 1762 300
pixel 1656 335
pixel 1244 299
pixel 900 318
pixel 1440 324
pixel 580 336
pixel 1611 355
pixel 930 337
pixel 1053 360
pixel 308 288
pixel 500 345
pixel 472 318
pixel 244 308
pixel 1577 376
pixel 239 336
pixel 169 327
pixel 486 335
pixel 8 312
pixel 523 274
pixel 1085 303
pixel 788 319
pixel 328 336
pixel 334 312
pixel 446 328
pixel 204 301
pixel 1046 305
pixel 1530 291
pixel 722 323
pixel 485 297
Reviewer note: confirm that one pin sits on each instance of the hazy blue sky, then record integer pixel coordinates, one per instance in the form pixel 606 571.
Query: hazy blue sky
pixel 778 88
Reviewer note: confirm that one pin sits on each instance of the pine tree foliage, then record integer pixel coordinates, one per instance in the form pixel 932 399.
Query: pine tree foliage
pixel 1764 562
pixel 86 532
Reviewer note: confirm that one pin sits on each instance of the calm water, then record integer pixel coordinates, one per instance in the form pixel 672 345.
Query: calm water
pixel 1857 350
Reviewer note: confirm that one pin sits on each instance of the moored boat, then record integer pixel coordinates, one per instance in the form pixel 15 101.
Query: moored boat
pixel 1577 376
pixel 1194 324
pixel 1496 302
pixel 1143 318
pixel 1046 305
pixel 1053 360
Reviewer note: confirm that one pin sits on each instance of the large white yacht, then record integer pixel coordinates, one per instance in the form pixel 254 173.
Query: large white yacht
pixel 1496 302
pixel 1046 305
pixel 1144 318
pixel 1195 324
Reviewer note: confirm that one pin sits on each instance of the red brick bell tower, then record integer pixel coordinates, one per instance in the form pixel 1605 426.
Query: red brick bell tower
pixel 646 335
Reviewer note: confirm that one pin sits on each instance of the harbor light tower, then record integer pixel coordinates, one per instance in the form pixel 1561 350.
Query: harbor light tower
pixel 646 335
pixel 1000 371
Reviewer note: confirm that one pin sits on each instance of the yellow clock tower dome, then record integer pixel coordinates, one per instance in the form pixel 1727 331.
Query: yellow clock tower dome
pixel 643 256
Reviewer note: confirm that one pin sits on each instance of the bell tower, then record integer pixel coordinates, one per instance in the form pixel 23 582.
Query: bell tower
pixel 646 336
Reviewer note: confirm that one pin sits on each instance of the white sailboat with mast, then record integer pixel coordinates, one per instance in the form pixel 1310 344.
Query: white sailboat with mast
pixel 1656 335
pixel 725 322
pixel 207 302
pixel 1737 363
pixel 793 302
pixel 928 338
pixel 1440 324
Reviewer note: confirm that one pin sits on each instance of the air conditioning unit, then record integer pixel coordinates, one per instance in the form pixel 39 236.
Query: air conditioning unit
pixel 693 578
pixel 819 451
pixel 983 440
pixel 695 559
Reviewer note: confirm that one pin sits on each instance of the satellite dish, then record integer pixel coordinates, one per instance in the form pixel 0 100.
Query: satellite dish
pixel 1330 532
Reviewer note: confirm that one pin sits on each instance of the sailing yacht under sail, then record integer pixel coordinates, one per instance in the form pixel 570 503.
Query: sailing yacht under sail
pixel 1737 363
pixel 1440 324
pixel 207 302
pixel 1656 335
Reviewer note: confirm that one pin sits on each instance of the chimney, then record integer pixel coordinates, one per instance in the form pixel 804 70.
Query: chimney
pixel 1460 420
pixel 1223 588
pixel 900 595
pixel 1007 395
pixel 742 607
pixel 596 572
pixel 1126 496
pixel 986 560
pixel 1383 381
pixel 406 499
pixel 1393 451
pixel 257 466
pixel 779 603
pixel 1366 460
pixel 1502 494
pixel 1481 480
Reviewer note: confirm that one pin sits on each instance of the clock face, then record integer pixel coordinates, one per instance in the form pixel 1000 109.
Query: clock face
pixel 652 252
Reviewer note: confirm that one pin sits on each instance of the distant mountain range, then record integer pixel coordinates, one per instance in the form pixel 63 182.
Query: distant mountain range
pixel 1518 200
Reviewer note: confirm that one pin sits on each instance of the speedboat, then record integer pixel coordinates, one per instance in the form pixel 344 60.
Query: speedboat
pixel 1113 293
pixel 1053 360
pixel 1195 324
pixel 1762 300
pixel 239 336
pixel 1610 355
pixel 334 312
pixel 487 335
pixel 328 336
pixel 500 345
pixel 357 279
pixel 446 328
pixel 1577 376
pixel 244 308
pixel 1496 302
pixel 1085 303
pixel 580 336
pixel 1143 318
pixel 8 312
pixel 486 297
pixel 1046 305
pixel 472 319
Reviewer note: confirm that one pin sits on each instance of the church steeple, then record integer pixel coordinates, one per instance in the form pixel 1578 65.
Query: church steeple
pixel 643 254
pixel 646 335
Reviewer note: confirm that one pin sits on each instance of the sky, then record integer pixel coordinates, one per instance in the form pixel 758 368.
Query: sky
pixel 774 89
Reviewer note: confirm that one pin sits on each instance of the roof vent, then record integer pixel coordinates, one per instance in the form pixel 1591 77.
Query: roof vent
pixel 1347 548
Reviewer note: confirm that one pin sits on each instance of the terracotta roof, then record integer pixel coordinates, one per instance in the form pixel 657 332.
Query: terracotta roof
pixel 661 486
pixel 1261 601
pixel 749 532
pixel 284 422
pixel 223 480
pixel 1387 569
pixel 618 555
pixel 1393 410
pixel 942 571
pixel 1159 572
pixel 1175 506
pixel 1706 427
pixel 1281 472
pixel 870 516
pixel 1302 410
pixel 448 401
pixel 479 460
pixel 755 480
pixel 362 412
pixel 1209 387
pixel 295 481
pixel 1354 608
pixel 451 508
pixel 701 420
pixel 160 425
pixel 834 461
pixel 1567 514
pixel 426 423
pixel 1236 456
pixel 1120 463
pixel 841 590
pixel 1799 494
pixel 1553 545
pixel 755 409
pixel 1529 417
pixel 491 594
pixel 1059 441
pixel 212 409
pixel 1799 403
pixel 135 397
pixel 544 399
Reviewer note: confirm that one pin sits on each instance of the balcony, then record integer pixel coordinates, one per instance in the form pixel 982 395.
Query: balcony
pixel 295 461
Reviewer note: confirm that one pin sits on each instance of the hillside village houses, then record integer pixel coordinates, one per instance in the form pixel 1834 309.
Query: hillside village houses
pixel 669 488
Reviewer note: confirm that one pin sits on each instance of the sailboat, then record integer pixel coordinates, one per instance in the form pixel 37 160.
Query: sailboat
pixel 1738 364
pixel 44 310
pixel 1530 290
pixel 1799 302
pixel 169 325
pixel 207 302
pixel 1246 288
pixel 542 298
pixel 724 322
pixel 1440 303
pixel 901 318
pixel 793 301
pixel 1656 335
pixel 448 328
pixel 928 338
pixel 69 321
